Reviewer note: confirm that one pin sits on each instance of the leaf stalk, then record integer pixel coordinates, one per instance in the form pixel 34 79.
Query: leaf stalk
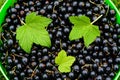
pixel 96 19
pixel 21 21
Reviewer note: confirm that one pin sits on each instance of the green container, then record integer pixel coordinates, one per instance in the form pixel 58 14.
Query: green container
pixel 3 12
pixel 8 3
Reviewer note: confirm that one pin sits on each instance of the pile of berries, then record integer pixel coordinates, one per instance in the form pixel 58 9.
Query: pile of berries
pixel 100 61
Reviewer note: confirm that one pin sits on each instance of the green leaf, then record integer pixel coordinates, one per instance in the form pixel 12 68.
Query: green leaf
pixel 65 62
pixel 37 20
pixel 32 32
pixel 25 40
pixel 79 20
pixel 61 54
pixel 91 34
pixel 83 28
pixel 76 32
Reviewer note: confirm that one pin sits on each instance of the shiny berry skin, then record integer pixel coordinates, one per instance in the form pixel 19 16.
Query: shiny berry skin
pixel 98 61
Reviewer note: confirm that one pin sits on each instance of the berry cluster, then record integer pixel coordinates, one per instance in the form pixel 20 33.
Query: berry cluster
pixel 97 62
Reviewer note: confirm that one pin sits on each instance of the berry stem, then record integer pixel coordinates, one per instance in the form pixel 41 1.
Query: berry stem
pixel 60 44
pixel 56 69
pixel 107 11
pixel 111 24
pixel 34 71
pixel 12 32
pixel 54 11
pixel 18 55
pixel 100 5
pixel 49 71
pixel 25 4
pixel 22 22
pixel 5 24
pixel 3 37
pixel 8 32
pixel 5 57
pixel 92 2
pixel 13 57
pixel 86 65
pixel 60 0
pixel 96 19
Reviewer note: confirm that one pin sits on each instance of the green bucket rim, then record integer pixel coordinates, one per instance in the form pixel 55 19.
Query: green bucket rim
pixel 3 5
pixel 9 3
pixel 3 13
pixel 1 9
pixel 1 67
pixel 112 6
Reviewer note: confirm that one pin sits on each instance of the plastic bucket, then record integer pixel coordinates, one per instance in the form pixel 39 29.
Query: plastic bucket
pixel 8 3
pixel 3 12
